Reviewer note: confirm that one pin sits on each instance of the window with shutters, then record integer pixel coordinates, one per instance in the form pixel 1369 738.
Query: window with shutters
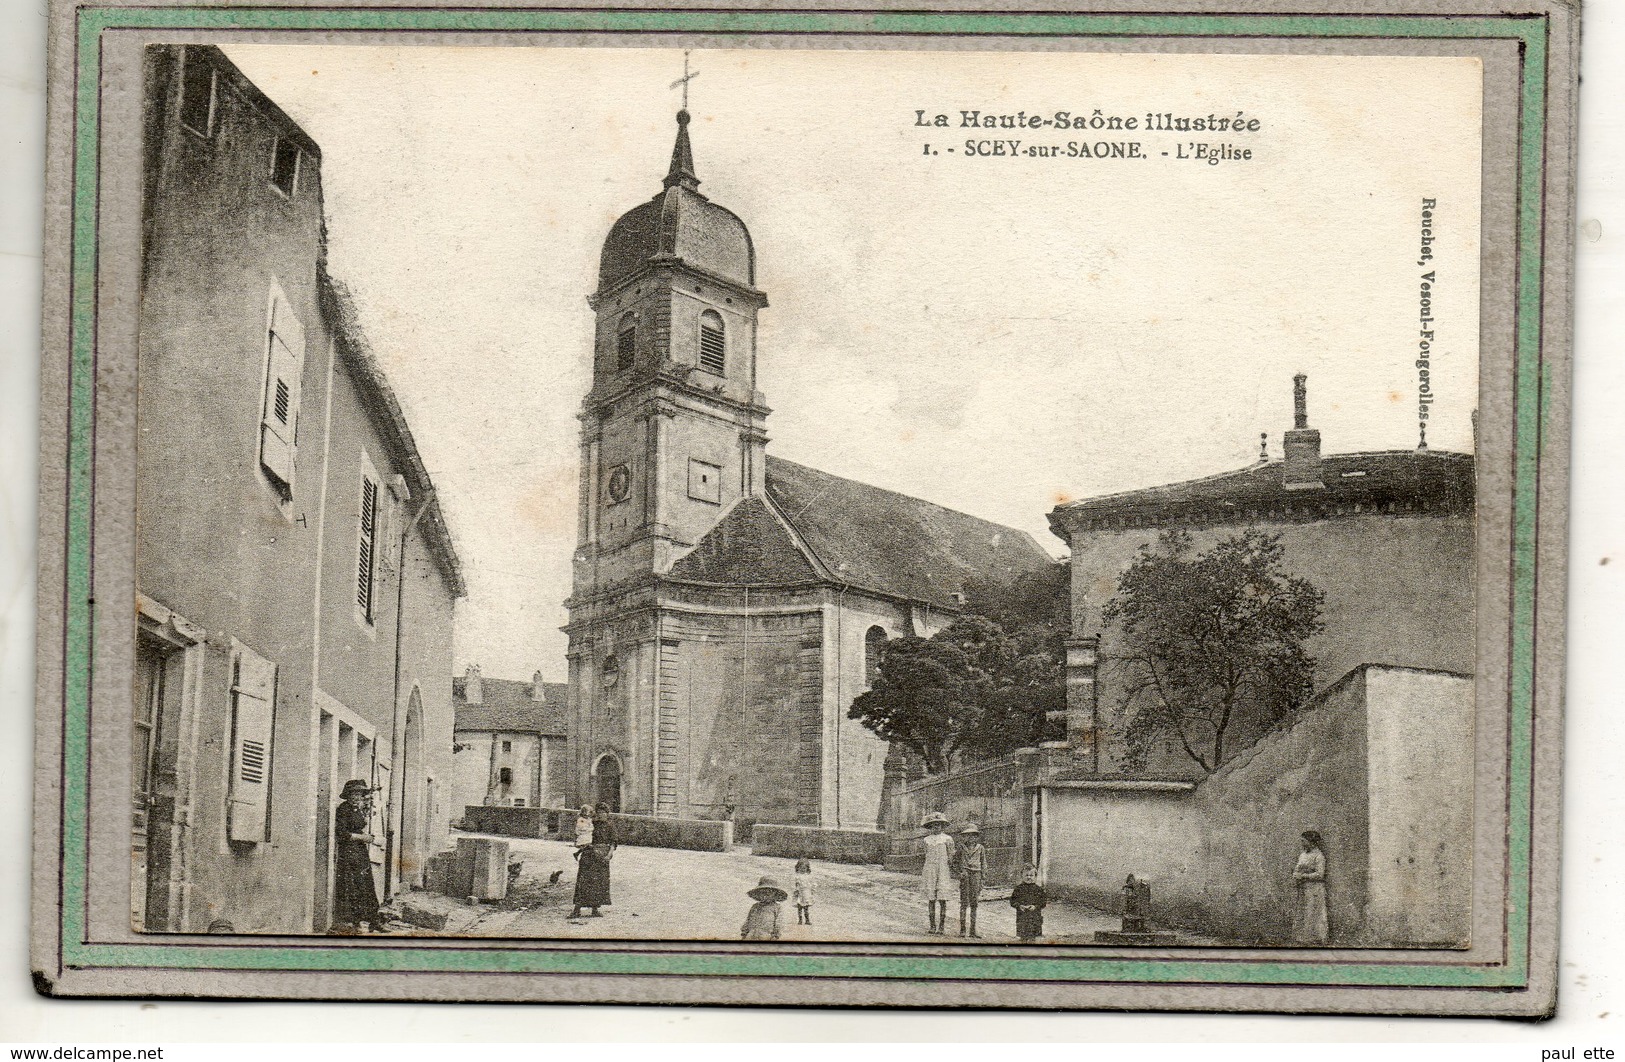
pixel 626 343
pixel 253 692
pixel 197 94
pixel 366 564
pixel 713 345
pixel 284 368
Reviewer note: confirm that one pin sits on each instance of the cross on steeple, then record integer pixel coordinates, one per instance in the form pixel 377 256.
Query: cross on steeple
pixel 684 80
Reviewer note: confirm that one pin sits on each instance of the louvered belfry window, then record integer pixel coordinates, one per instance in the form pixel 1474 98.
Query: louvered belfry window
pixel 713 345
pixel 365 560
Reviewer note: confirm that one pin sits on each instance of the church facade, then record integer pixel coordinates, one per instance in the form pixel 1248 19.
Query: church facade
pixel 727 605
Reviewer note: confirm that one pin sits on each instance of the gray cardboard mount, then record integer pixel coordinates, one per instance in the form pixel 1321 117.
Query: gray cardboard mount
pixel 83 944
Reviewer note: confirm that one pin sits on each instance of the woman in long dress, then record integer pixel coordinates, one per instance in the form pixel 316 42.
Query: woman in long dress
pixel 936 878
pixel 592 869
pixel 1310 924
pixel 355 895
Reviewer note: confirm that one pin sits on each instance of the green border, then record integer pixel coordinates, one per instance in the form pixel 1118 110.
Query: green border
pixel 82 615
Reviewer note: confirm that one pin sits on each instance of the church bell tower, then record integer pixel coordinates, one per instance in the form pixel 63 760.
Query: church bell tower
pixel 672 434
pixel 673 429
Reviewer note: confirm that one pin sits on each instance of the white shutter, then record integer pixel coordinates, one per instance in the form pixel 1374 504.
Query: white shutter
pixel 279 418
pixel 253 707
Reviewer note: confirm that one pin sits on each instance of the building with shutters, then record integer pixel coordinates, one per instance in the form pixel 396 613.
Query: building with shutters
pixel 512 743
pixel 295 577
pixel 727 605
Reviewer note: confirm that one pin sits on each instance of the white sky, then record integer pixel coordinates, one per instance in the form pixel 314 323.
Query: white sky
pixel 995 335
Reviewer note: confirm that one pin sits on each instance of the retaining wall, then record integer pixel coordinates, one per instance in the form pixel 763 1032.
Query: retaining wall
pixel 817 842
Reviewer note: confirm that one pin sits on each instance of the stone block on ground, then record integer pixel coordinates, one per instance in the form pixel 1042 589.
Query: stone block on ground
pixel 487 863
pixel 438 914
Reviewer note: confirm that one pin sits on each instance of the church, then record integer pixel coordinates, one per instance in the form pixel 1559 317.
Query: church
pixel 727 606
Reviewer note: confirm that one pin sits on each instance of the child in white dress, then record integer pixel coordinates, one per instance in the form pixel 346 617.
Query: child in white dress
pixel 802 889
pixel 936 879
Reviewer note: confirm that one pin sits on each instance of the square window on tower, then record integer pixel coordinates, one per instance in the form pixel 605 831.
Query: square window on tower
pixel 704 481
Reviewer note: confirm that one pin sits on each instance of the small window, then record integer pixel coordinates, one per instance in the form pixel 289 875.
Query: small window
pixel 505 775
pixel 611 671
pixel 518 802
pixel 366 550
pixel 197 95
pixel 507 746
pixel 713 346
pixel 285 166
pixel 704 481
pixel 626 343
pixel 873 642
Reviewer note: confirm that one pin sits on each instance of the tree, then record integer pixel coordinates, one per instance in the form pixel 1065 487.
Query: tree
pixel 1210 640
pixel 922 694
pixel 978 688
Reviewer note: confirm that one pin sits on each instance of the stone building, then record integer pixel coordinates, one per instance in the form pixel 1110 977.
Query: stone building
pixel 512 744
pixel 1386 535
pixel 727 605
pixel 295 578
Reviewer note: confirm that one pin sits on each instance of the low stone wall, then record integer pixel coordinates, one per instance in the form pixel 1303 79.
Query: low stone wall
pixel 506 821
pixel 646 831
pixel 818 842
pixel 695 835
pixel 1380 765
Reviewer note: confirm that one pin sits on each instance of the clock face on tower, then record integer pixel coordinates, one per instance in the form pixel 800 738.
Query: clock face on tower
pixel 620 483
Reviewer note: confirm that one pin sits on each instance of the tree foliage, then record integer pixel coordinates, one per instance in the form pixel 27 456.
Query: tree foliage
pixel 980 687
pixel 1210 641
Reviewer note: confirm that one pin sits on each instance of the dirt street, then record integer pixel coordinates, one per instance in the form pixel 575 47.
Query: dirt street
pixel 664 893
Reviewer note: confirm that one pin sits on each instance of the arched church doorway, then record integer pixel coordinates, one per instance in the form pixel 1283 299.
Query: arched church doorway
pixel 608 773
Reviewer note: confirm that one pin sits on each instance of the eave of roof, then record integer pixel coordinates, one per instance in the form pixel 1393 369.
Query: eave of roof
pixel 1425 479
pixel 379 399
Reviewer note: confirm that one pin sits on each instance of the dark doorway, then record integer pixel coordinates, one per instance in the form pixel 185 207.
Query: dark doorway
pixel 609 783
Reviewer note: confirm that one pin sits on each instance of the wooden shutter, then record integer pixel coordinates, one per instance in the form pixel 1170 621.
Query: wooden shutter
pixel 367 547
pixel 279 419
pixel 253 709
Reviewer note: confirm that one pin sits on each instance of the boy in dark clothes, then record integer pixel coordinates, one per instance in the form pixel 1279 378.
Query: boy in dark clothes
pixel 1029 901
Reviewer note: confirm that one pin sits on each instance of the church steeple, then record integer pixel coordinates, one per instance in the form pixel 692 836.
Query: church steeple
pixel 682 158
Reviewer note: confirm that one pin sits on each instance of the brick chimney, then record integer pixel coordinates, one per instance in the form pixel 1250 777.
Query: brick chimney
pixel 1301 445
pixel 538 688
pixel 472 693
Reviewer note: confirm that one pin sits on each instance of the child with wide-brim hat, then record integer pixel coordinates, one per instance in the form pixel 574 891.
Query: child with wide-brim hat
pixel 936 875
pixel 762 923
pixel 969 866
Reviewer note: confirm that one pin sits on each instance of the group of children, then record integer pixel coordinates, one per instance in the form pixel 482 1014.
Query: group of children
pixel 945 860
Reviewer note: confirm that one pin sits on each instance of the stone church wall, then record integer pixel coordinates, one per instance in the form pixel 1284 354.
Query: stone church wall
pixel 741 716
pixel 856 758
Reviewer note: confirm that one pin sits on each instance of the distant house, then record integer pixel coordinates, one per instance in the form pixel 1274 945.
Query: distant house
pixel 294 576
pixel 511 743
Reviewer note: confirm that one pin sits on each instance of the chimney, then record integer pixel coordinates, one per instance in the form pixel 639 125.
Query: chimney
pixel 1301 445
pixel 472 694
pixel 538 689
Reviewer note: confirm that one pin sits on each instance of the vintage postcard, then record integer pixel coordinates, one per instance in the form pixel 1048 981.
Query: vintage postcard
pixel 861 507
